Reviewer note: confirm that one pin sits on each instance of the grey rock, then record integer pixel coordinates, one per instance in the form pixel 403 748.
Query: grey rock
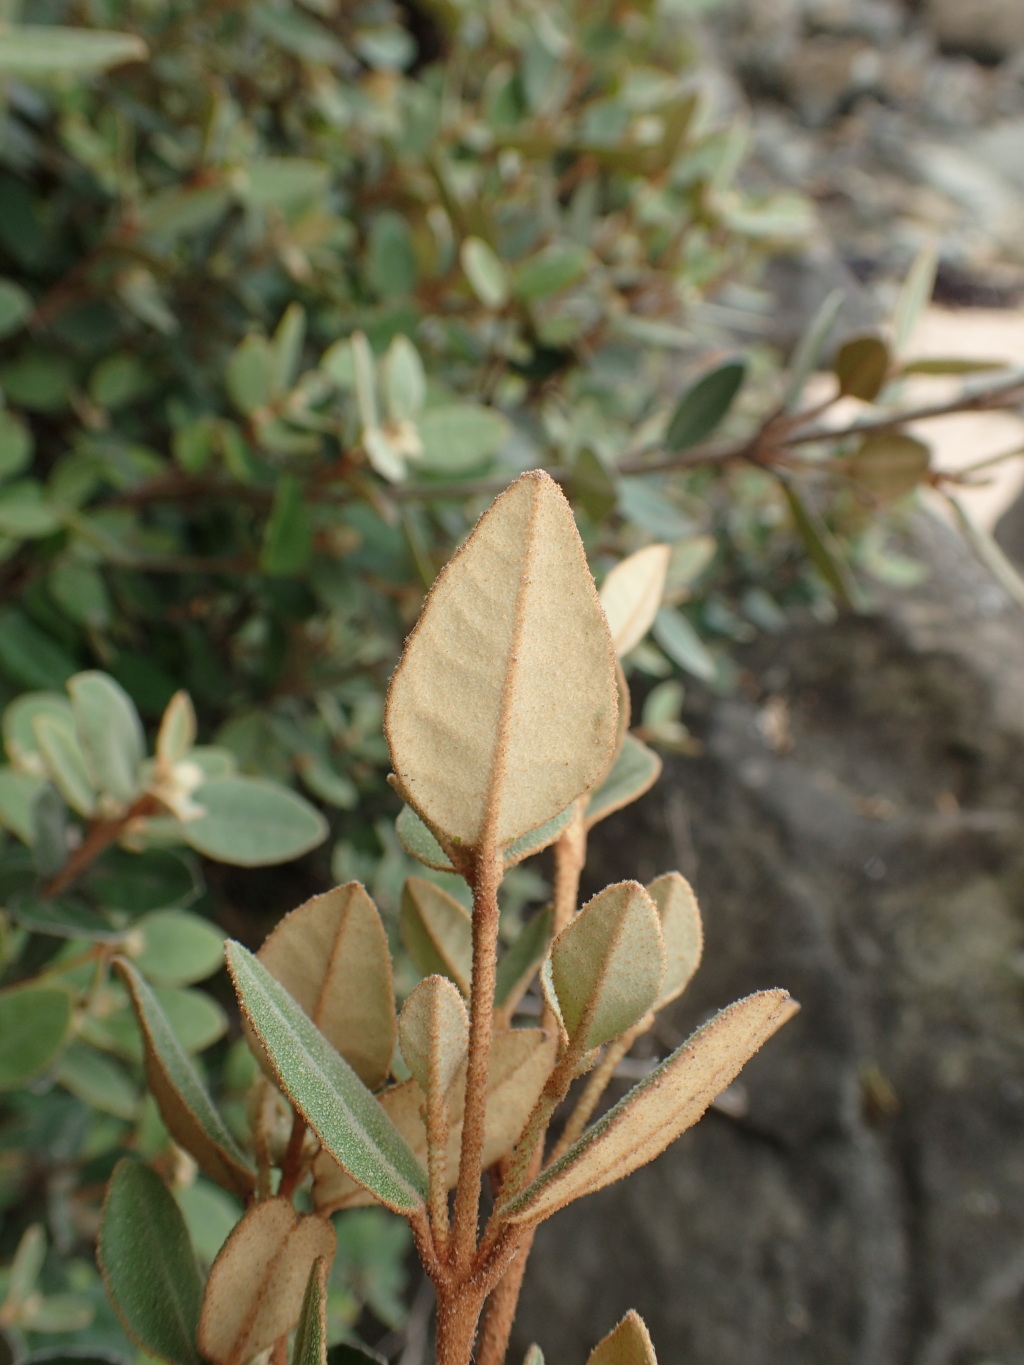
pixel 862 1202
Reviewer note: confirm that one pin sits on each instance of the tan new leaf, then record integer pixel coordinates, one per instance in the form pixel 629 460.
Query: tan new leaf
pixel 257 1283
pixel 658 1109
pixel 628 1344
pixel 681 929
pixel 632 593
pixel 332 956
pixel 521 1061
pixel 433 1033
pixel 437 932
pixel 503 708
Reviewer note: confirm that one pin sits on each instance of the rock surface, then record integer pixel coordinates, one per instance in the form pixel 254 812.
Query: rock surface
pixel 853 830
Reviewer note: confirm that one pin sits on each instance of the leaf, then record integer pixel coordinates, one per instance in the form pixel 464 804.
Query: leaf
pixel 405 382
pixel 185 1106
pixel 551 270
pixel 110 733
pixel 327 1092
pixel 433 1033
pixel 19 726
pixel 257 1284
pixel 177 947
pixel 607 965
pixel 311 1334
pixel 705 405
pixel 419 842
pixel 15 302
pixel 63 919
pixel 24 512
pixel 287 349
pixel 503 708
pixel 18 794
pixel 16 444
pixel 821 548
pixel 65 763
pixel 890 464
pixel 990 552
pixel 485 271
pixel 28 50
pixel 252 822
pixel 628 1344
pixel 437 932
pixel 809 349
pixel 635 771
pixel 331 955
pixel 177 730
pixel 658 1109
pixel 98 1082
pixel 288 536
pixel 521 1061
pixel 29 656
pixel 249 374
pixel 914 296
pixel 862 366
pixel 284 182
pixel 460 436
pixel 592 485
pixel 34 1022
pixel 519 965
pixel 49 832
pixel 943 365
pixel 683 645
pixel 148 1265
pixel 534 1356
pixel 681 929
pixel 391 268
pixel 139 882
pixel 631 595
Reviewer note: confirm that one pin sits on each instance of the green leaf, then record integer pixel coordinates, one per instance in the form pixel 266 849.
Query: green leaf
pixel 65 763
pixel 24 513
pixel 63 919
pixel 118 380
pixel 990 552
pixel 252 822
pixel 862 366
pixel 485 271
pixel 419 842
pixel 288 537
pixel 703 407
pixel 197 1019
pixel 210 1216
pixel 49 832
pixel 311 1334
pixel 914 296
pixel 592 486
pixel 250 374
pixel 520 962
pixel 29 656
pixel 635 770
pixel 20 739
pixel 433 1034
pixel 287 349
pixel 18 794
pixel 80 591
pixel 437 932
pixel 607 965
pixel 98 1082
pixel 34 1022
pixel 185 1106
pixel 460 436
pixel 821 548
pixel 177 730
pixel 284 182
pixel 177 947
pixel 110 733
pixel 148 1265
pixel 28 50
pixel 550 271
pixel 391 265
pixel 345 1116
pixel 810 348
pixel 890 464
pixel 15 302
pixel 405 381
pixel 15 444
pixel 683 645
pixel 944 365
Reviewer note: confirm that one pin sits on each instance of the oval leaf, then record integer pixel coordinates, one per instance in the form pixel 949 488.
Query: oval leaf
pixel 110 733
pixel 607 964
pixel 65 763
pixel 177 730
pixel 657 1110
pixel 702 408
pixel 433 1033
pixel 148 1265
pixel 628 1344
pixel 34 1022
pixel 258 1282
pixel 437 932
pixel 681 929
pixel 862 366
pixel 252 822
pixel 346 1118
pixel 185 1106
pixel 635 770
pixel 631 595
pixel 177 948
pixel 503 708
pixel 331 955
pixel 890 465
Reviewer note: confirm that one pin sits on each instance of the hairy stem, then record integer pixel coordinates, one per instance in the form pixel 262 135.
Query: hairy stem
pixel 293 1166
pixel 501 1308
pixel 98 837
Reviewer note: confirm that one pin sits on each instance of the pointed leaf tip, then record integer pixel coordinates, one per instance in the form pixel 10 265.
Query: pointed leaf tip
pixel 627 1344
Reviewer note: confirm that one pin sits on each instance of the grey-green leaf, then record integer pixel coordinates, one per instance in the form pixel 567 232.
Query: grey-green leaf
pixel 437 932
pixel 635 770
pixel 34 1022
pixel 519 965
pixel 28 50
pixel 311 1334
pixel 419 842
pixel 149 1266
pixel 253 822
pixel 343 1113
pixel 110 733
pixel 65 763
pixel 703 407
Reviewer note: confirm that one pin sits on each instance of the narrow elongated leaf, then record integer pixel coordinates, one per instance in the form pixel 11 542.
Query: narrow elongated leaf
pixel 335 1103
pixel 809 349
pixel 33 50
pixel 485 271
pixel 628 1344
pixel 257 1283
pixel 914 296
pixel 185 1106
pixel 34 1023
pixel 177 729
pixel 110 733
pixel 311 1334
pixel 433 1033
pixel 520 963
pixel 252 822
pixel 821 548
pixel 683 645
pixel 681 929
pixel 148 1265
pixel 631 595
pixel 862 366
pixel 658 1109
pixel 607 964
pixel 521 1061
pixel 437 932
pixel 503 708
pixel 705 405
pixel 18 794
pixel 65 764
pixel 635 770
pixel 331 955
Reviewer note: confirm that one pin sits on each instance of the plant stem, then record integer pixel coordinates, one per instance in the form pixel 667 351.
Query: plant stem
pixel 293 1166
pixel 458 1311
pixel 487 874
pixel 501 1308
pixel 98 837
